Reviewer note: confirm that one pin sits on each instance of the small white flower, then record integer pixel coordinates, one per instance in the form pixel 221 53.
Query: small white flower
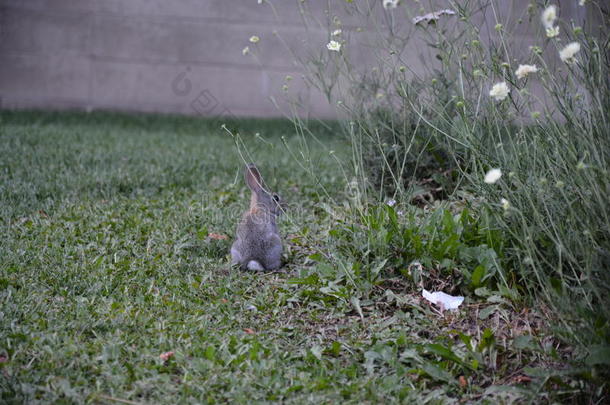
pixel 492 176
pixel 552 32
pixel 499 91
pixel 391 202
pixel 400 213
pixel 333 46
pixel 254 39
pixel 549 15
pixel 245 51
pixel 505 204
pixel 336 33
pixel 582 2
pixel 524 70
pixel 389 4
pixel 568 52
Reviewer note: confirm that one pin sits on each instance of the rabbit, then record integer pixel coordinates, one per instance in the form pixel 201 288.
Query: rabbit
pixel 258 245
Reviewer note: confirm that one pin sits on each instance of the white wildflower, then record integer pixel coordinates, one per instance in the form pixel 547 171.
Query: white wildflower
pixel 333 46
pixel 254 39
pixel 552 32
pixel 492 176
pixel 568 52
pixel 524 70
pixel 389 4
pixel 432 17
pixel 336 33
pixel 391 202
pixel 505 204
pixel 582 2
pixel 499 91
pixel 549 15
pixel 245 51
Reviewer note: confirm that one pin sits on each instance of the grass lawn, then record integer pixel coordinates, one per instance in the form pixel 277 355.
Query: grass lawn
pixel 109 259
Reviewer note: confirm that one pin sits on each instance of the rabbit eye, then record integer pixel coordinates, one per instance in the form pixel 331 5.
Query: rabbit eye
pixel 276 198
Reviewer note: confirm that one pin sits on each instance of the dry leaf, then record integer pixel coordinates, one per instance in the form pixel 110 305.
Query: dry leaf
pixel 217 236
pixel 463 382
pixel 166 356
pixel 249 331
pixel 522 379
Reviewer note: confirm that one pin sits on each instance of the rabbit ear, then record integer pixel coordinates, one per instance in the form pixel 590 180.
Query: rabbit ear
pixel 253 178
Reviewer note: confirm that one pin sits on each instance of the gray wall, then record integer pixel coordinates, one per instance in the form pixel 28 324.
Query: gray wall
pixel 177 56
pixel 148 55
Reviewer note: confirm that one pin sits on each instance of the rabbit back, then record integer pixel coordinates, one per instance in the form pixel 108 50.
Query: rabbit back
pixel 258 241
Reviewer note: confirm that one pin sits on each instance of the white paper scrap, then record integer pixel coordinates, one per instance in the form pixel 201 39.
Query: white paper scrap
pixel 444 301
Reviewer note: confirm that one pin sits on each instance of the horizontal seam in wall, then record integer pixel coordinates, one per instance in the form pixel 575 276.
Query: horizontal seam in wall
pixel 236 66
pixel 152 62
pixel 168 17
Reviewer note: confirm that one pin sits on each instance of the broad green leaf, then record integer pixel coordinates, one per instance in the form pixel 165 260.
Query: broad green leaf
pixel 598 354
pixel 438 373
pixel 477 275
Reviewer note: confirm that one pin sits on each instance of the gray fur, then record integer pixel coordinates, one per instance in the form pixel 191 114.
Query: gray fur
pixel 258 238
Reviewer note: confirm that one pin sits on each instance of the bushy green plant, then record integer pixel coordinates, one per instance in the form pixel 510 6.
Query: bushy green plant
pixel 421 247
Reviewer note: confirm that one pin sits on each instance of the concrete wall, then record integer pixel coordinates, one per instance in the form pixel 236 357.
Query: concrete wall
pixel 178 56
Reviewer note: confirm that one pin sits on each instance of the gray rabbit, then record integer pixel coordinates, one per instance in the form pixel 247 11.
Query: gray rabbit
pixel 258 245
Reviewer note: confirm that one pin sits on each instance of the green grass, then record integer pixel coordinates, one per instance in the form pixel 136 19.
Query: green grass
pixel 106 263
